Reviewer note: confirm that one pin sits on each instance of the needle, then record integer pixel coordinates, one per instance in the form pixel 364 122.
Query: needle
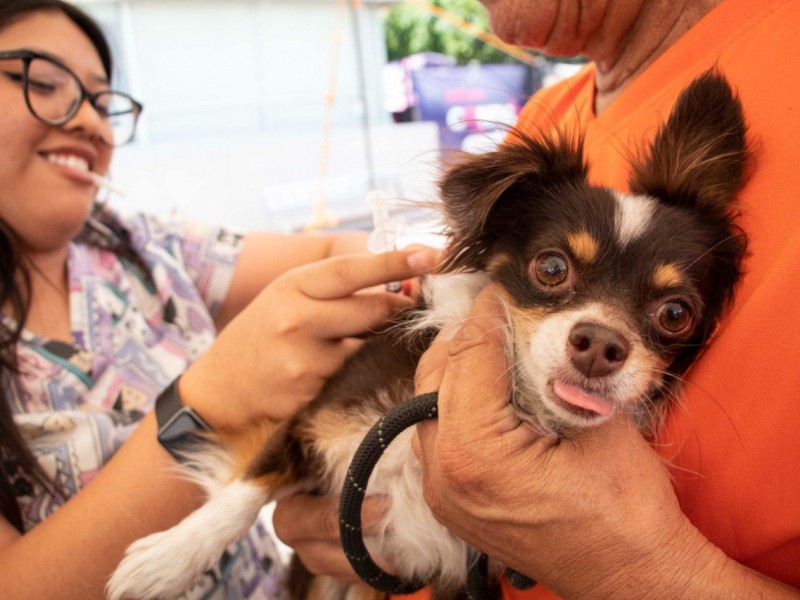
pixel 384 231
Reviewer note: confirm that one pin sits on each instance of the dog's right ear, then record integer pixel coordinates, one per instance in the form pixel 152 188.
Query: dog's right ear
pixel 474 184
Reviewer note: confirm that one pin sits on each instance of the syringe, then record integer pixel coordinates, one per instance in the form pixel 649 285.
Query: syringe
pixel 384 230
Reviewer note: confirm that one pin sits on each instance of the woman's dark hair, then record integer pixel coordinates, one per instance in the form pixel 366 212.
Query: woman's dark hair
pixel 15 282
pixel 11 10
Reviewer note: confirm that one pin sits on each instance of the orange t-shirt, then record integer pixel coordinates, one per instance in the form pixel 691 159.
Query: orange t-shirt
pixel 733 444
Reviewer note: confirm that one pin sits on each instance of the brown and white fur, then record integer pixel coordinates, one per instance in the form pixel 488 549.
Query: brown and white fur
pixel 609 298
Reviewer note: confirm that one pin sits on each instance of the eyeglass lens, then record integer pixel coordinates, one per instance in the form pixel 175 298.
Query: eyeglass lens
pixel 54 95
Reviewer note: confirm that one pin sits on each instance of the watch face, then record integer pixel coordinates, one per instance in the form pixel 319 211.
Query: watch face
pixel 181 429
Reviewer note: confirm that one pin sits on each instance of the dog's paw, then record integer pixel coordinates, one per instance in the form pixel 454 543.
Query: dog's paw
pixel 163 565
pixel 156 566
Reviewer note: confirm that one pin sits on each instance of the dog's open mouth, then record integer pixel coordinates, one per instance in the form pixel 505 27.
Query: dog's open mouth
pixel 581 402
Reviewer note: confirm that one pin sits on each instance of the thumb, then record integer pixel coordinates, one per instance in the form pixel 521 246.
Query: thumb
pixel 477 365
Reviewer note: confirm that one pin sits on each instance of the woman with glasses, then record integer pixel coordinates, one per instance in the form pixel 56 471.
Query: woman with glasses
pixel 100 314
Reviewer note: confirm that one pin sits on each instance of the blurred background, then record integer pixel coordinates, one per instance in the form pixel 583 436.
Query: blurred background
pixel 283 114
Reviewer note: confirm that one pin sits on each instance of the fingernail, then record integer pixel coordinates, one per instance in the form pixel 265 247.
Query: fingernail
pixel 421 260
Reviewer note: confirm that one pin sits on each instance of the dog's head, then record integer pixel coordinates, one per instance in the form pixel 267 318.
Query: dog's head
pixel 610 295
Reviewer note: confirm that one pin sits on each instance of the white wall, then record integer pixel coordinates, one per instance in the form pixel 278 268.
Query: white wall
pixel 236 110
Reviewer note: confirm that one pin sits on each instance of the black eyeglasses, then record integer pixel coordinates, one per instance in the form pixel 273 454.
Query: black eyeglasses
pixel 54 94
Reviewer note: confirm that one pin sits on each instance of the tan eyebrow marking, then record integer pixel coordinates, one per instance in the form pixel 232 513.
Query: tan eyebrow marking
pixel 498 261
pixel 583 246
pixel 667 276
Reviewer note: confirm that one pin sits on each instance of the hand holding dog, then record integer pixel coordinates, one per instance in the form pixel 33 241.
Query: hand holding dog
pixel 277 354
pixel 590 516
pixel 310 525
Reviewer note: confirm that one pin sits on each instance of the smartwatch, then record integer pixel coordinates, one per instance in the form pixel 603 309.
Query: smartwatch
pixel 178 424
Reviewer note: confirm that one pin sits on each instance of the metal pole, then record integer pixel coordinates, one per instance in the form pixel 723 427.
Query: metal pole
pixel 366 124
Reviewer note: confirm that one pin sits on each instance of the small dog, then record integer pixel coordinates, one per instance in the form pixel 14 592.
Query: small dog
pixel 609 298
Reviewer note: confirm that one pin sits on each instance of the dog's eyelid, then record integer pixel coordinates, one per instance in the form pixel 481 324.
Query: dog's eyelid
pixel 681 296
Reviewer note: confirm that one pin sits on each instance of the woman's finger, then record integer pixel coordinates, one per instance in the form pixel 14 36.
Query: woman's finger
pixel 304 518
pixel 322 558
pixel 356 315
pixel 342 276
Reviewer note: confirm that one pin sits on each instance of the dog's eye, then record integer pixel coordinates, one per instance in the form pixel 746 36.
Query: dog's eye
pixel 550 269
pixel 675 317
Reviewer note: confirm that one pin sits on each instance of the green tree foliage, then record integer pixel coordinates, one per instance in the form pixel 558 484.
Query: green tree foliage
pixel 410 29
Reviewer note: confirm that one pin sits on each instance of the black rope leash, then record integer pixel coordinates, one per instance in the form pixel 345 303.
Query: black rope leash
pixel 388 427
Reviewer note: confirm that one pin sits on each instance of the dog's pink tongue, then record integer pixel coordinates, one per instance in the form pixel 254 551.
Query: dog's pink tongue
pixel 576 396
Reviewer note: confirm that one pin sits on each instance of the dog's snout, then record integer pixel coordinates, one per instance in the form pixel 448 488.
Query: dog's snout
pixel 596 350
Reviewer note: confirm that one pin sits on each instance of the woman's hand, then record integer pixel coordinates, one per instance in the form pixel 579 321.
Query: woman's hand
pixel 276 355
pixel 590 516
pixel 310 525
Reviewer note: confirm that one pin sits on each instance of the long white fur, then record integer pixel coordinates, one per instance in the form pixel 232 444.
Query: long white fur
pixel 449 299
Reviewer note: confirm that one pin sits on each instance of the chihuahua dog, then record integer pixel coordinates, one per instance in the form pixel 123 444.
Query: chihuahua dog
pixel 609 297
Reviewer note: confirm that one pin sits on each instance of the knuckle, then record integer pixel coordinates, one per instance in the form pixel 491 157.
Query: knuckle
pixel 296 369
pixel 282 285
pixel 389 262
pixel 477 334
pixel 287 324
pixel 342 270
pixel 384 306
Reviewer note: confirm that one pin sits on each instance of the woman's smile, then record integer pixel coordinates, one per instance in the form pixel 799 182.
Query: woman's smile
pixel 74 163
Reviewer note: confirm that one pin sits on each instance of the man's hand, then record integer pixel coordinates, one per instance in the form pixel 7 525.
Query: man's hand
pixel 590 516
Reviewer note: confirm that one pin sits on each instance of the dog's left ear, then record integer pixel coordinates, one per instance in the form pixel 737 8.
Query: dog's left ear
pixel 475 184
pixel 698 157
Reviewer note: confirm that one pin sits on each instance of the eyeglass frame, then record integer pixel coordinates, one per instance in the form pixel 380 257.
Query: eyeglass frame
pixel 27 56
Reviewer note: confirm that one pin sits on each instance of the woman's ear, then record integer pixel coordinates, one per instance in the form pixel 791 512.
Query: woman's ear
pixel 472 185
pixel 698 156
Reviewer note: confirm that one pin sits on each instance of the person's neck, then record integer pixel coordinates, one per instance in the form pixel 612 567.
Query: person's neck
pixel 48 314
pixel 657 26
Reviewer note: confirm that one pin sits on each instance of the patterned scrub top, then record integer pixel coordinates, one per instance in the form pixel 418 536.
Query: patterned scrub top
pixel 76 404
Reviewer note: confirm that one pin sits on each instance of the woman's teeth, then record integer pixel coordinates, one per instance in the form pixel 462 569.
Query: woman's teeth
pixel 69 160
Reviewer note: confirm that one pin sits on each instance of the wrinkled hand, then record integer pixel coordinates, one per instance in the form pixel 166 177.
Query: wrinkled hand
pixel 276 355
pixel 310 525
pixel 591 516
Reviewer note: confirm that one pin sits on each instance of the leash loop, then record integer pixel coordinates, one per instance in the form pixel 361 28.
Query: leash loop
pixel 389 426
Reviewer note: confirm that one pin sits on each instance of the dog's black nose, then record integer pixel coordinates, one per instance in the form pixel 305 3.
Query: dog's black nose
pixel 597 351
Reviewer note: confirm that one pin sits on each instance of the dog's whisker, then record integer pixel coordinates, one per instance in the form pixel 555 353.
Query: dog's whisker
pixel 738 234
